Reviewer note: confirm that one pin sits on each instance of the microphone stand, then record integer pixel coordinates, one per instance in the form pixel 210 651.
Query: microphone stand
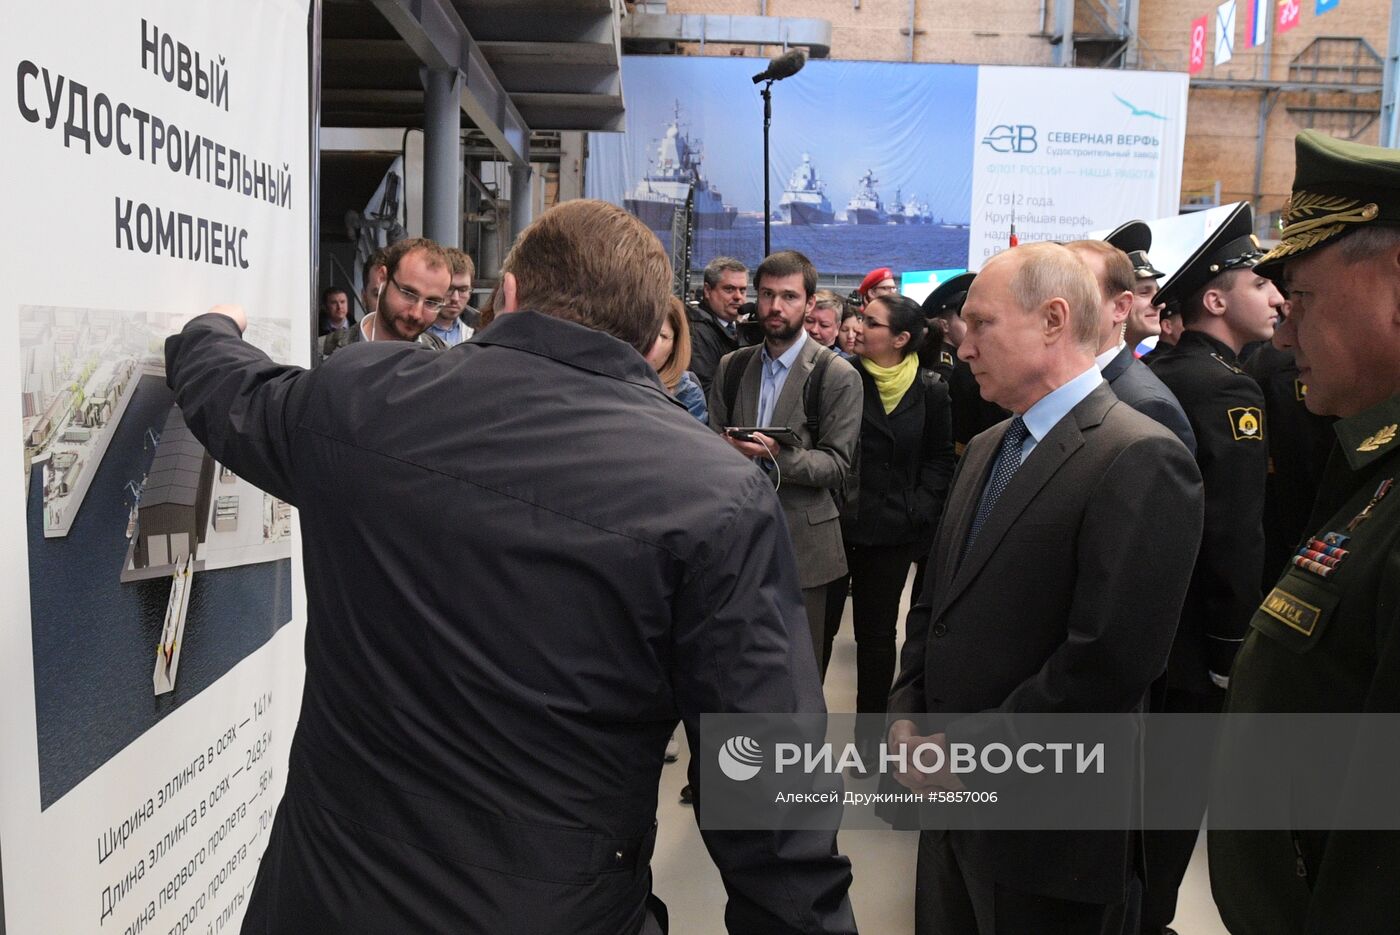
pixel 767 93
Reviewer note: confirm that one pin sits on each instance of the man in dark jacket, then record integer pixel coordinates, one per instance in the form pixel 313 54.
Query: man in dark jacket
pixel 1224 304
pixel 713 332
pixel 480 752
pixel 1128 377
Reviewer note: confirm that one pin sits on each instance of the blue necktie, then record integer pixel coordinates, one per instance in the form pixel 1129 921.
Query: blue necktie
pixel 1008 460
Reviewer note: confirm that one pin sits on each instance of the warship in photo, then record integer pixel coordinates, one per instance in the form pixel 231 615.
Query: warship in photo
pixel 865 206
pixel 804 200
pixel 900 213
pixel 673 173
pixel 916 211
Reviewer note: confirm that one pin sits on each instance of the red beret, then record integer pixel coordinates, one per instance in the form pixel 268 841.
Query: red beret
pixel 873 277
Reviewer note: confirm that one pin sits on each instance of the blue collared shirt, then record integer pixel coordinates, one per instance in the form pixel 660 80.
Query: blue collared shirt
pixel 451 336
pixel 775 374
pixel 1054 406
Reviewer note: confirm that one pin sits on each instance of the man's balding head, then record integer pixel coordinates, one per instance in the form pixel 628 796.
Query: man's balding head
pixel 593 263
pixel 1032 323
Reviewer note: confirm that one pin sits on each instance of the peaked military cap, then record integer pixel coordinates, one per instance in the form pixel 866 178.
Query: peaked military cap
pixel 1135 239
pixel 1338 187
pixel 1232 245
pixel 948 297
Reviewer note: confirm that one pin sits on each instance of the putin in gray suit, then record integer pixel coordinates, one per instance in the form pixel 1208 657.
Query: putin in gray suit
pixel 1033 603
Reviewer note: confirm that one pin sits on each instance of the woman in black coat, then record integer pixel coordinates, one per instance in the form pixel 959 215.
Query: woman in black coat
pixel 906 464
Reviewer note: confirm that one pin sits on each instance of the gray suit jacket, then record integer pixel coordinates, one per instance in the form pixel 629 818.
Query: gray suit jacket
pixel 809 472
pixel 1135 384
pixel 1055 610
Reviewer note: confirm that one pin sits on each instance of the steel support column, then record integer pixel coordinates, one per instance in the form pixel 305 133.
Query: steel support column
pixel 442 156
pixel 1267 100
pixel 1064 29
pixel 521 204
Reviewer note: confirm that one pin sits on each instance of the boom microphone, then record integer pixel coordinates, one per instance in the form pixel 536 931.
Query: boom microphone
pixel 782 66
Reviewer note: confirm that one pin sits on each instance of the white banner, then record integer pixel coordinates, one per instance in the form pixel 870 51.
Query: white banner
pixel 1064 151
pixel 156 162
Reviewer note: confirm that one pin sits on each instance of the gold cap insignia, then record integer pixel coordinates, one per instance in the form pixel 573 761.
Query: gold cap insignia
pixel 1247 422
pixel 1310 218
pixel 1379 440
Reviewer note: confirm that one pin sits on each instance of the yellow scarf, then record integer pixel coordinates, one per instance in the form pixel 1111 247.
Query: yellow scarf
pixel 893 382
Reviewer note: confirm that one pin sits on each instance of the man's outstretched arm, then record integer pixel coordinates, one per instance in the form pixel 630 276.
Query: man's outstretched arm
pixel 241 405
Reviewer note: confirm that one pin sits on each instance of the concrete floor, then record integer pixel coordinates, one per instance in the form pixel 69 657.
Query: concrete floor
pixel 882 862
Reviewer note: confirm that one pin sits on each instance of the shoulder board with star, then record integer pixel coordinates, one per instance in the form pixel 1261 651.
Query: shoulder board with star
pixel 1226 364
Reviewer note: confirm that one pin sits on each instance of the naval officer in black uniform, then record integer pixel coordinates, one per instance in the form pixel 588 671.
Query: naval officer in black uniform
pixel 1224 304
pixel 1327 636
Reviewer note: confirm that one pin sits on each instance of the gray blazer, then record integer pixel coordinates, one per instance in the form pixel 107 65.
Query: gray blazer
pixel 808 472
pixel 1134 383
pixel 1051 611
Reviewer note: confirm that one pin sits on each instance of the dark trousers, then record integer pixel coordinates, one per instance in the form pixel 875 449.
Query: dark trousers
pixel 814 599
pixel 954 900
pixel 876 580
pixel 1167 852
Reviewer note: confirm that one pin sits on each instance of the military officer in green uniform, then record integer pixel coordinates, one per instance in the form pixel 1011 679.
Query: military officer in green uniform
pixel 1327 636
pixel 1224 304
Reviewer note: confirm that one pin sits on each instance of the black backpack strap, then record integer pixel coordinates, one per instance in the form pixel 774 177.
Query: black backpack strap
pixel 812 393
pixel 734 374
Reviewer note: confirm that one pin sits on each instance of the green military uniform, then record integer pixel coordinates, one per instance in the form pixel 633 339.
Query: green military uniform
pixel 1323 644
pixel 1327 636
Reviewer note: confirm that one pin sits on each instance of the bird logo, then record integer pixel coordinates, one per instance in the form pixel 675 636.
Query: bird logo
pixel 1138 111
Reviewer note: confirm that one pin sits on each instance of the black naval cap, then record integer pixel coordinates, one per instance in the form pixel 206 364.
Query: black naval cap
pixel 1232 245
pixel 948 297
pixel 1338 187
pixel 1135 239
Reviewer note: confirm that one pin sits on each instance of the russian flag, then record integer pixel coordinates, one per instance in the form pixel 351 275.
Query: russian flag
pixel 1258 31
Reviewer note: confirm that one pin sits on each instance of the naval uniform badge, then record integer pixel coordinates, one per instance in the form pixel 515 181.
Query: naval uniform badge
pixel 1247 422
pixel 945 358
pixel 1379 440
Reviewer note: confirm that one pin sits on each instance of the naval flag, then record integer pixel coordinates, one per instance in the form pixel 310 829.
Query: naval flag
pixel 1196 57
pixel 1224 32
pixel 1257 29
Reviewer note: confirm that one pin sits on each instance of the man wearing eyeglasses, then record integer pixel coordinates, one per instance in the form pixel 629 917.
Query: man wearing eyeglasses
pixel 416 277
pixel 456 319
